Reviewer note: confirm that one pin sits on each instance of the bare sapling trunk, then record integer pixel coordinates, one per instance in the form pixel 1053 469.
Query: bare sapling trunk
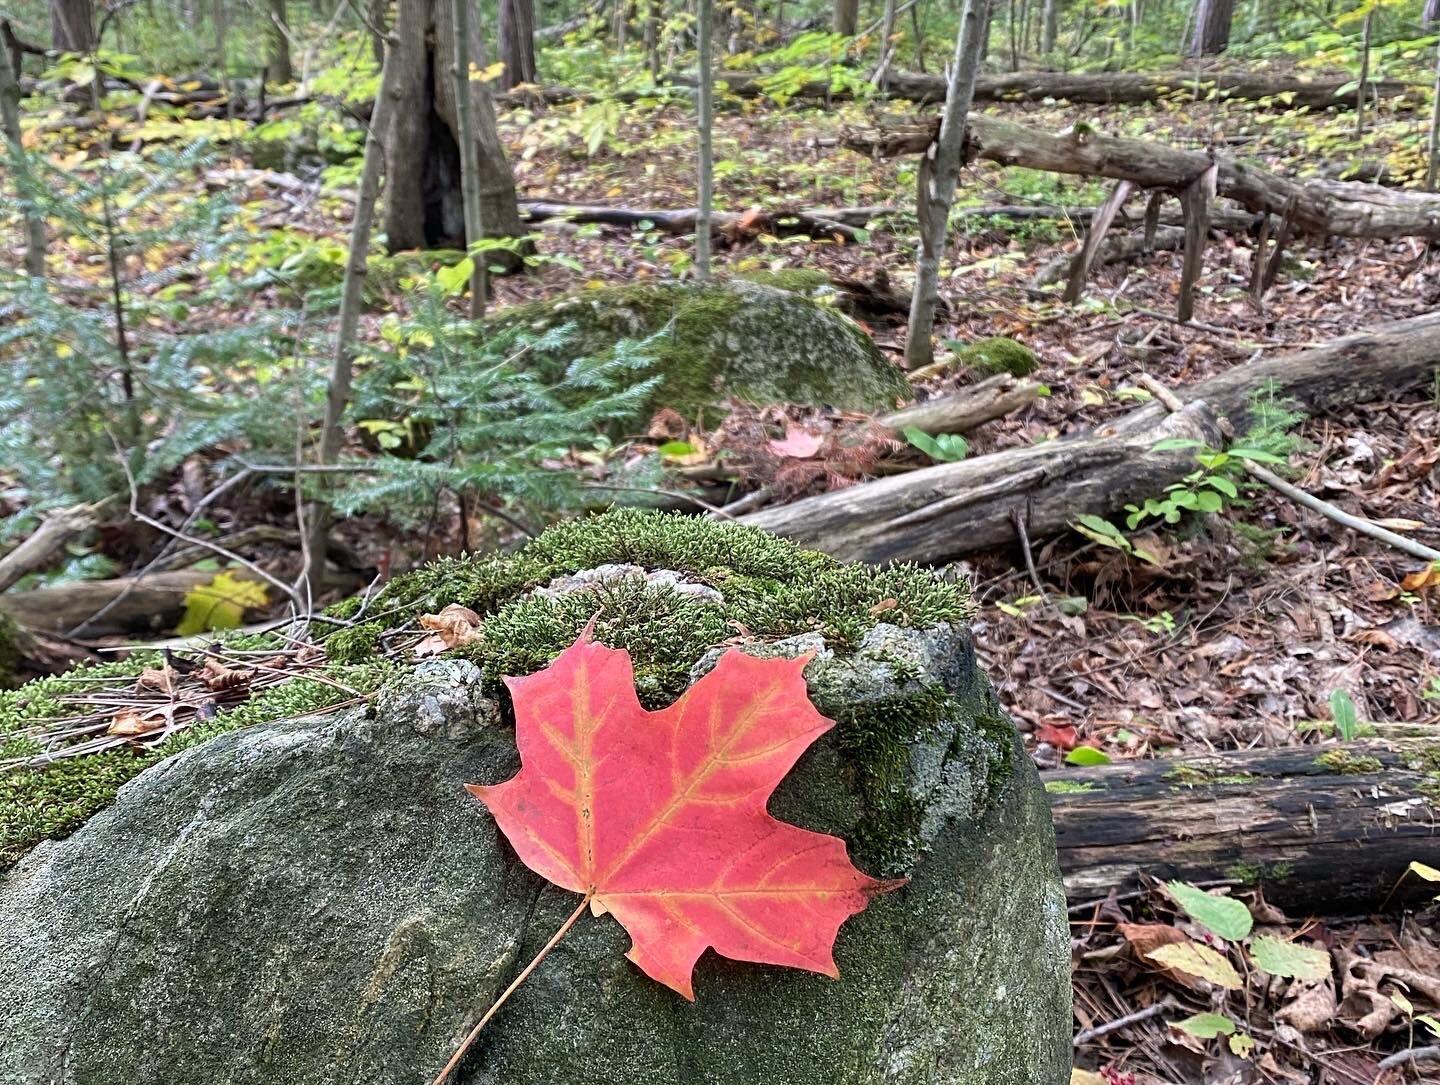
pixel 847 17
pixel 1364 73
pixel 705 18
pixel 20 167
pixel 352 291
pixel 469 160
pixel 652 39
pixel 1050 29
pixel 1432 156
pixel 887 31
pixel 279 67
pixel 1431 14
pixel 939 175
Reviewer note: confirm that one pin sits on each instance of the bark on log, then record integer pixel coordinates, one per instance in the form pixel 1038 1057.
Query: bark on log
pixel 45 541
pixel 681 221
pixel 966 409
pixel 1320 828
pixel 1347 208
pixel 940 513
pixel 1103 88
pixel 1116 249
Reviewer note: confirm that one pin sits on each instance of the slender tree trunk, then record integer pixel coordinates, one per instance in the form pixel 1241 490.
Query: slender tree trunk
pixel 918 30
pixel 652 39
pixel 1360 88
pixel 352 293
pixel 1211 35
pixel 1433 149
pixel 517 42
pixel 847 17
pixel 705 31
pixel 278 64
pixel 424 200
pixel 1431 15
pixel 939 175
pixel 469 159
pixel 20 167
pixel 887 31
pixel 72 26
pixel 1051 28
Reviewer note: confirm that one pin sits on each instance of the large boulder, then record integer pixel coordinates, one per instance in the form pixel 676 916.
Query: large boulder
pixel 711 341
pixel 317 900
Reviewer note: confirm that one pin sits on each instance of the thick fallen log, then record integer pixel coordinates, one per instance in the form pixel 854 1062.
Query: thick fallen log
pixel 681 221
pixel 1100 88
pixel 940 513
pixel 1347 208
pixel 1321 829
pixel 962 411
pixel 1115 249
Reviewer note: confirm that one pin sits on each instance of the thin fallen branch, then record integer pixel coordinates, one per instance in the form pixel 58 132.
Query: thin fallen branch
pixel 47 540
pixel 962 411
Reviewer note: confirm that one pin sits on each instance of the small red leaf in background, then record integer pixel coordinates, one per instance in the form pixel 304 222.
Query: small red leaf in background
pixel 659 817
pixel 1061 736
pixel 797 444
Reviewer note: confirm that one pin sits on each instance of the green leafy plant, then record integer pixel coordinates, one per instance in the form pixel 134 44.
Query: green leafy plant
pixel 1342 711
pixel 943 447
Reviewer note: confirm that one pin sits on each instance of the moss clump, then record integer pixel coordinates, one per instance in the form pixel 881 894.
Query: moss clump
pixel 713 341
pixel 1070 787
pixel 1206 776
pixel 997 354
pixel 1345 763
pixel 45 803
pixel 356 643
pixel 1248 873
pixel 797 280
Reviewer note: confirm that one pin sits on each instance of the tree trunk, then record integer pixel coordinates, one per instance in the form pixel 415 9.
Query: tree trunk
pixel 517 42
pixel 1328 828
pixel 1211 33
pixel 847 17
pixel 887 31
pixel 705 17
pixel 424 202
pixel 72 26
pixel 938 177
pixel 20 166
pixel 469 160
pixel 352 291
pixel 1050 26
pixel 940 513
pixel 1431 14
pixel 279 68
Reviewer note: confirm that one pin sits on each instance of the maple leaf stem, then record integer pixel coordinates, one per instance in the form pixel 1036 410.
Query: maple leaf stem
pixel 514 985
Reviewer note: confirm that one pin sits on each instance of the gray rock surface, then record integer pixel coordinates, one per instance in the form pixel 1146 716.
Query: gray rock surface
pixel 318 902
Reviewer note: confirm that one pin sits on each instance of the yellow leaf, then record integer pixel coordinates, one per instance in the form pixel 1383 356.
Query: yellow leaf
pixel 1429 873
pixel 1196 960
pixel 1085 1077
pixel 1242 1044
pixel 220 604
pixel 486 75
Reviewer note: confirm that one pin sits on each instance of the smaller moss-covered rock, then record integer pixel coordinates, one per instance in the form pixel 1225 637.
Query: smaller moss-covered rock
pixel 709 342
pixel 987 357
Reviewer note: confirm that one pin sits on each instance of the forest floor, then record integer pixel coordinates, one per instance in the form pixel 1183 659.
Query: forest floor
pixel 1244 626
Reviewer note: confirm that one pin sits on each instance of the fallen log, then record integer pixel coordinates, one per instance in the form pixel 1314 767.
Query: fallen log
pixel 1346 208
pixel 966 409
pixel 135 605
pixel 47 540
pixel 1319 828
pixel 680 222
pixel 939 513
pixel 1098 88
pixel 1115 250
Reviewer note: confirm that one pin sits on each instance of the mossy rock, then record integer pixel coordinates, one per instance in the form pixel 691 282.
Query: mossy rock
pixel 988 357
pixel 317 900
pixel 755 342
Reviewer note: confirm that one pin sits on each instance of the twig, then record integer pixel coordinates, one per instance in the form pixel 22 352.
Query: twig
pixel 745 504
pixel 1410 1057
pixel 681 495
pixel 1120 1022
pixel 1020 530
pixel 1340 516
pixel 505 994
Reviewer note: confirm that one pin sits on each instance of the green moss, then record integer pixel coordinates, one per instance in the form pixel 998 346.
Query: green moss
pixel 797 280
pixel 1070 787
pixel 1248 873
pixel 1206 776
pixel 1346 763
pixel 45 803
pixel 767 587
pixel 997 354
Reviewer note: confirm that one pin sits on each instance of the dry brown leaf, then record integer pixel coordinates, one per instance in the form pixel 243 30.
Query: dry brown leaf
pixel 453 626
pixel 1144 937
pixel 216 675
pixel 128 722
pixel 1310 1005
pixel 161 679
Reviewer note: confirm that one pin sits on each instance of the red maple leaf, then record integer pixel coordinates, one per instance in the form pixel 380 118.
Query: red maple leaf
pixel 659 817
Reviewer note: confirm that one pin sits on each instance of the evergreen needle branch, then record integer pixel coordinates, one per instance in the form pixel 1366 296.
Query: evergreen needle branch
pixel 514 985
